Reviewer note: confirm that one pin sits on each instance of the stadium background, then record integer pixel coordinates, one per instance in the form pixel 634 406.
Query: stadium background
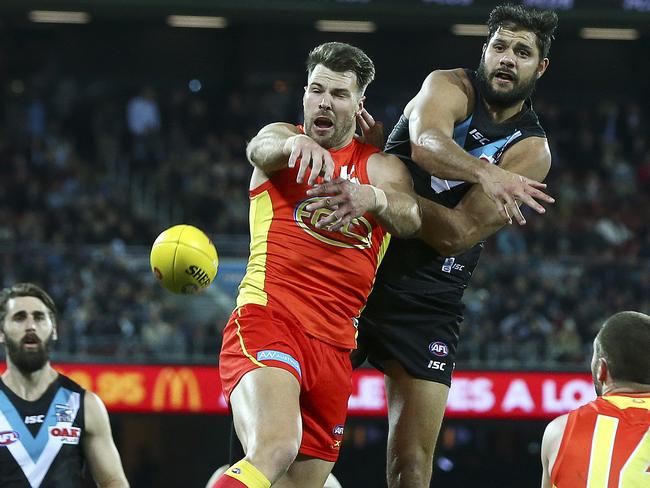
pixel 84 191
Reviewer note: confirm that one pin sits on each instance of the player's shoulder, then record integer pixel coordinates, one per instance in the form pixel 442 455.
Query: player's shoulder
pixel 452 77
pixel 70 384
pixel 554 432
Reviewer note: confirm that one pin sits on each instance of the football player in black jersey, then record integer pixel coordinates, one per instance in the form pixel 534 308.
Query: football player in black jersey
pixel 49 424
pixel 475 150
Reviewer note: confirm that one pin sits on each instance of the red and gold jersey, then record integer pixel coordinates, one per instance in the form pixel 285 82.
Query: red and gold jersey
pixel 321 278
pixel 606 444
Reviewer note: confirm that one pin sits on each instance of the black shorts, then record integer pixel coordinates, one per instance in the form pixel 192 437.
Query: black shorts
pixel 420 331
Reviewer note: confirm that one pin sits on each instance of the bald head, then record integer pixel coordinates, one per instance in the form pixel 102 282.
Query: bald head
pixel 624 342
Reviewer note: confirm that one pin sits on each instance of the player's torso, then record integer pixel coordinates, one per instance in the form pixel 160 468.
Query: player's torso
pixel 606 444
pixel 40 441
pixel 321 278
pixel 413 266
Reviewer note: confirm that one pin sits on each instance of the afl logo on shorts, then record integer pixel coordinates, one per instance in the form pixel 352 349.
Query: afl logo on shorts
pixel 356 235
pixel 338 430
pixel 439 349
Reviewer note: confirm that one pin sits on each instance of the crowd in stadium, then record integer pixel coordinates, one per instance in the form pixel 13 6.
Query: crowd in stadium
pixel 88 172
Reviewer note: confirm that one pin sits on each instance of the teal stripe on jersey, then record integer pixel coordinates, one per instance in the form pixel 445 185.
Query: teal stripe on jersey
pixel 34 445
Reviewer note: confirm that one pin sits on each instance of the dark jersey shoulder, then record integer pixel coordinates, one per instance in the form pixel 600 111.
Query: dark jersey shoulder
pixel 411 266
pixel 41 439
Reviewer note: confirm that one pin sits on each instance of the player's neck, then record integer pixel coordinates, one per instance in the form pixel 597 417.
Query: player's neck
pixel 500 113
pixel 626 387
pixel 29 386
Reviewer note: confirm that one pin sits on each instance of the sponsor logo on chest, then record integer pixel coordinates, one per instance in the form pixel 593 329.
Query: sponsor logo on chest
pixel 66 434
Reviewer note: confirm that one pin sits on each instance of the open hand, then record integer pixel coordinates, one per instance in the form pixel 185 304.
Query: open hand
pixel 311 155
pixel 347 201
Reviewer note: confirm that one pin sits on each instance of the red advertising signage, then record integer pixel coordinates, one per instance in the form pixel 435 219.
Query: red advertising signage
pixel 196 389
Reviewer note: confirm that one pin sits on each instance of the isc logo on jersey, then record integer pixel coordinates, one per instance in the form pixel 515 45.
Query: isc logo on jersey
pixel 67 435
pixel 357 234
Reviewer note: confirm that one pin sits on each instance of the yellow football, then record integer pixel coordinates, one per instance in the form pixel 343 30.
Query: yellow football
pixel 184 259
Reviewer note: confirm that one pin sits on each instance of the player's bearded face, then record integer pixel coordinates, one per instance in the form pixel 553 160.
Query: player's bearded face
pixel 521 89
pixel 509 67
pixel 330 104
pixel 29 353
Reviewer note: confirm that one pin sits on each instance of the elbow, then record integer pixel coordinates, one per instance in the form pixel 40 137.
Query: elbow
pixel 450 244
pixel 409 227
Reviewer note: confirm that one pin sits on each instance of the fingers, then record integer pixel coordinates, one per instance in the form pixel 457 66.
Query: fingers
pixel 329 202
pixel 316 165
pixel 305 161
pixel 328 166
pixel 365 120
pixel 335 221
pixel 540 195
pixel 532 203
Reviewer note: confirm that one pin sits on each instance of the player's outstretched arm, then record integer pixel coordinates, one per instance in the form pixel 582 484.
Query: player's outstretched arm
pixel 99 449
pixel 389 197
pixel 451 231
pixel 443 101
pixel 550 444
pixel 280 145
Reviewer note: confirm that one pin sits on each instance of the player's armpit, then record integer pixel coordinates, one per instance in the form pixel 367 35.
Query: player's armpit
pixel 401 216
pixel 477 216
pixel 98 446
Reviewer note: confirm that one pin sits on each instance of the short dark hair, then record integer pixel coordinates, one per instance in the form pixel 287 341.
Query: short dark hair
pixel 25 290
pixel 541 22
pixel 342 57
pixel 624 341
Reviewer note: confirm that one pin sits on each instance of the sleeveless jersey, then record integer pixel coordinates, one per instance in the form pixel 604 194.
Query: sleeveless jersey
pixel 40 440
pixel 413 267
pixel 606 444
pixel 320 278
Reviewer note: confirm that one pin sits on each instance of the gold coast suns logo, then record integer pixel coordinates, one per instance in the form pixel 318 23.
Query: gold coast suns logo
pixel 356 235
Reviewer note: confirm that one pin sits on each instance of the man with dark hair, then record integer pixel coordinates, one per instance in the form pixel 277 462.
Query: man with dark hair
pixel 475 150
pixel 607 441
pixel 285 360
pixel 49 425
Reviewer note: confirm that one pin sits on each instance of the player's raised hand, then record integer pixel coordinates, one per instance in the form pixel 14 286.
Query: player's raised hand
pixel 507 189
pixel 311 155
pixel 372 131
pixel 347 201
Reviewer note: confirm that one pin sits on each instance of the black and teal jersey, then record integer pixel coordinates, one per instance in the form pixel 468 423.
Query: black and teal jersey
pixel 410 266
pixel 40 441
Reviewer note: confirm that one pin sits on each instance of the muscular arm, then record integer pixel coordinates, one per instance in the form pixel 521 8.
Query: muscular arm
pixel 280 145
pixel 99 449
pixel 266 150
pixel 402 216
pixel 453 230
pixel 389 197
pixel 550 445
pixel 444 100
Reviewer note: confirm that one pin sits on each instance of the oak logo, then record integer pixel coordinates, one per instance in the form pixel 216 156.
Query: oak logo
pixel 176 389
pixel 67 435
pixel 356 235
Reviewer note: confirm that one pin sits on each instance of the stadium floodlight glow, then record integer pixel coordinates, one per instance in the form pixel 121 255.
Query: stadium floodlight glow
pixel 609 34
pixel 197 21
pixel 58 17
pixel 469 30
pixel 362 26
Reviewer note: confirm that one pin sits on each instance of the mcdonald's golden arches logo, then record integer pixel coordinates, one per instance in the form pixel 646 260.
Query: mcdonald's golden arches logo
pixel 176 388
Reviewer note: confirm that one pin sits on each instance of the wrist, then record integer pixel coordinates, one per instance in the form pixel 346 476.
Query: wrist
pixel 288 145
pixel 381 202
pixel 483 171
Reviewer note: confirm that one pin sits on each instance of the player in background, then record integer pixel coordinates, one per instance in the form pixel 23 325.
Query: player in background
pixel 475 149
pixel 285 360
pixel 49 425
pixel 606 443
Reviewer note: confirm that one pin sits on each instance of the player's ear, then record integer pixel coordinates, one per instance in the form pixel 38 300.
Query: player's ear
pixel 542 67
pixel 602 373
pixel 360 104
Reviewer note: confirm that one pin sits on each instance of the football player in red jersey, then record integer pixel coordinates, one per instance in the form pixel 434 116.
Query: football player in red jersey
pixel 606 443
pixel 285 365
